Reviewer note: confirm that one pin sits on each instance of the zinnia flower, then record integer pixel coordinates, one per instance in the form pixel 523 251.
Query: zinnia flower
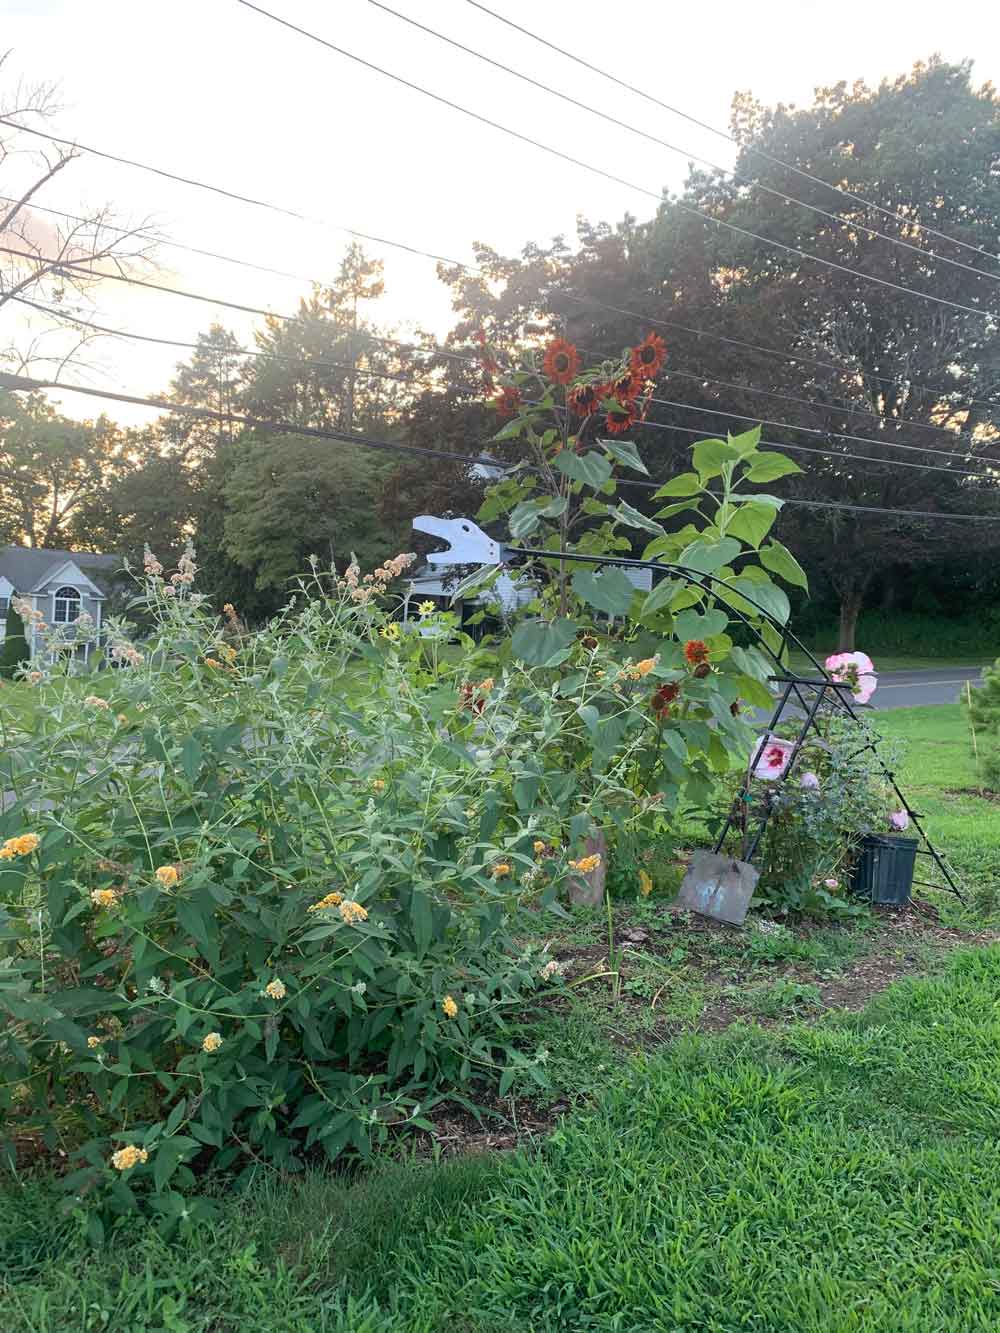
pixel 448 1007
pixel 125 1158
pixel 586 863
pixel 352 912
pixel 507 402
pixel 168 876
pixel 561 361
pixel 772 758
pixel 856 670
pixel 212 1042
pixel 646 359
pixel 275 990
pixel 696 652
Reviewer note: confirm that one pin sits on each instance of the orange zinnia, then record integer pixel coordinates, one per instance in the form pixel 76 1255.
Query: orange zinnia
pixel 648 357
pixel 561 361
pixel 696 651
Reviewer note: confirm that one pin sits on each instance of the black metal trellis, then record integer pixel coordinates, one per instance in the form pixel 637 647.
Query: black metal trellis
pixel 840 693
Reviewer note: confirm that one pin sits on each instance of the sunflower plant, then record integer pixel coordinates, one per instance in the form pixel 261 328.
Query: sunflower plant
pixel 709 628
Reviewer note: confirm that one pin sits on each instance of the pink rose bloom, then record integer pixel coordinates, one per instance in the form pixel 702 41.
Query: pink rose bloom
pixel 810 781
pixel 856 670
pixel 771 757
pixel 899 820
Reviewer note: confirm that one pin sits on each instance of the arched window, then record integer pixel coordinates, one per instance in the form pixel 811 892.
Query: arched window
pixel 67 606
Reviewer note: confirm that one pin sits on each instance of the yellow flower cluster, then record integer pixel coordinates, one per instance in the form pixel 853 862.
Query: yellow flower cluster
pixel 500 869
pixel 168 876
pixel 104 898
pixel 331 900
pixel 448 1007
pixel 228 652
pixel 642 668
pixel 352 911
pixel 275 990
pixel 538 846
pixel 125 1158
pixel 94 1042
pixel 586 863
pixel 23 845
pixel 212 1042
pixel 95 701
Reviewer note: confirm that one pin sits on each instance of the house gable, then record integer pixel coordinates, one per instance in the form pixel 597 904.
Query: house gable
pixel 67 573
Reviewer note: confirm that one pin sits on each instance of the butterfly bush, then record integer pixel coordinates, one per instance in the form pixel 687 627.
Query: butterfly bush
pixel 258 891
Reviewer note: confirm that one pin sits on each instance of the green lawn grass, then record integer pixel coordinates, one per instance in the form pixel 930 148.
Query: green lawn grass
pixel 838 1177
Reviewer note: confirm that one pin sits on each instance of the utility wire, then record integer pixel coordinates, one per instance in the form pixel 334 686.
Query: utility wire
pixel 785 425
pixel 901 218
pixel 854 225
pixel 588 303
pixel 19 382
pixel 610 176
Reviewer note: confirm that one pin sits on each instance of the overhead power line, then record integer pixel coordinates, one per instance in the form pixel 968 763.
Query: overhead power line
pixel 853 224
pixel 247 309
pixel 611 176
pixel 901 218
pixel 24 382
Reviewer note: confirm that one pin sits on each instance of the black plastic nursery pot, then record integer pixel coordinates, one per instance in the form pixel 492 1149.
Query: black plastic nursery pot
pixel 883 872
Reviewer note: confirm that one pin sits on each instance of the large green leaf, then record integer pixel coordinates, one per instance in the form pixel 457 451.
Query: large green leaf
pixel 537 642
pixel 769 467
pixel 766 596
pixel 607 590
pixel 706 557
pixel 660 597
pixel 695 625
pixel 592 468
pixel 779 560
pixel 685 484
pixel 752 522
pixel 711 456
pixel 627 454
pixel 624 513
pixel 746 442
pixel 524 519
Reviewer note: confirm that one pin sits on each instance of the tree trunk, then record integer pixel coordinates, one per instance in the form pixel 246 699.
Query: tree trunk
pixel 850 607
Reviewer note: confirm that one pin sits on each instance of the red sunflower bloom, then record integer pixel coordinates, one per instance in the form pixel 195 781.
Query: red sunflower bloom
pixel 620 418
pixel 507 402
pixel 561 362
pixel 583 399
pixel 648 357
pixel 625 387
pixel 696 651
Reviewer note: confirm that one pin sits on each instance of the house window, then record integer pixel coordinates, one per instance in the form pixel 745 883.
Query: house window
pixel 67 606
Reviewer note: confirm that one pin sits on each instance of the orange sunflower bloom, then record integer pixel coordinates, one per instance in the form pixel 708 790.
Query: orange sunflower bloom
pixel 647 359
pixel 507 403
pixel 625 387
pixel 620 419
pixel 583 399
pixel 561 362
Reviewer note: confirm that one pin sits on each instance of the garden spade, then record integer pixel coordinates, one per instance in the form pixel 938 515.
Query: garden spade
pixel 718 886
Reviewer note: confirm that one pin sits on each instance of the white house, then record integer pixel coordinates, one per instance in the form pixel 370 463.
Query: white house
pixel 60 584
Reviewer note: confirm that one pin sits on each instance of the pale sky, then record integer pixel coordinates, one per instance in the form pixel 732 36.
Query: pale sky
pixel 212 90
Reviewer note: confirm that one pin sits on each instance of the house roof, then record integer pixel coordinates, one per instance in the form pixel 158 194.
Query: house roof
pixel 28 567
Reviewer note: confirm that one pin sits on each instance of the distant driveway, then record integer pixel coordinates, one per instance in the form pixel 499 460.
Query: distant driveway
pixel 911 689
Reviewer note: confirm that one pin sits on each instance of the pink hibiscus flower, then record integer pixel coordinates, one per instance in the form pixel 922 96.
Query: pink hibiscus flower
pixel 899 820
pixel 771 757
pixel 856 670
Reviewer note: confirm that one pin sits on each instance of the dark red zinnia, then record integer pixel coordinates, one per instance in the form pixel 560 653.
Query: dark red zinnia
pixel 561 361
pixel 646 359
pixel 696 651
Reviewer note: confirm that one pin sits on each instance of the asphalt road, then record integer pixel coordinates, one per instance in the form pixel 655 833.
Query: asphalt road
pixel 911 689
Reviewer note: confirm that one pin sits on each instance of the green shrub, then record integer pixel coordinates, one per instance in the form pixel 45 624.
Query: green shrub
pixel 14 649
